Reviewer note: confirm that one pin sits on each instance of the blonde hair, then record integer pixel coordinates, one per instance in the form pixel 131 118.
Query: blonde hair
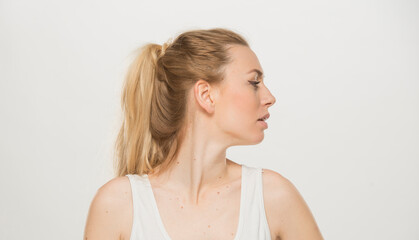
pixel 154 96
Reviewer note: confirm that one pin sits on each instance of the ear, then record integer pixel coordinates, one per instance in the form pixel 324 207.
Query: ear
pixel 205 95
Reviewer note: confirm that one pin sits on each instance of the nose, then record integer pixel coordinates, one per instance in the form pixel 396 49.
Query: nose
pixel 268 99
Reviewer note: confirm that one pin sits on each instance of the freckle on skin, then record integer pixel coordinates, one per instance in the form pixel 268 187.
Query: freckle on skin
pixel 177 162
pixel 209 226
pixel 106 211
pixel 181 207
pixel 216 209
pixel 218 192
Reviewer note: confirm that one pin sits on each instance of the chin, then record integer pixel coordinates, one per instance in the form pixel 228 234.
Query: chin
pixel 257 138
pixel 260 139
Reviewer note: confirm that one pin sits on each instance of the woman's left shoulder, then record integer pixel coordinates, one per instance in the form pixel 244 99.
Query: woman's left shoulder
pixel 277 188
pixel 287 212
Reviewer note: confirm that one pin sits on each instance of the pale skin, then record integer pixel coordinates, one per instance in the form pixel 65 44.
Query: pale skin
pixel 202 188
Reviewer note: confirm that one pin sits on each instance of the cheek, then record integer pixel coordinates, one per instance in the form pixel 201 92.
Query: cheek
pixel 240 108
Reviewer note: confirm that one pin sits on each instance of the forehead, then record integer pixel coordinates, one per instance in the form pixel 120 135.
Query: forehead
pixel 244 60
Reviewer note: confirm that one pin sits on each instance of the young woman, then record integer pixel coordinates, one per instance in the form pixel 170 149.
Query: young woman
pixel 184 104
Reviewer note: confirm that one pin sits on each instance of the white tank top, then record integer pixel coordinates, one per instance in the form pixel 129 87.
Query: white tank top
pixel 147 224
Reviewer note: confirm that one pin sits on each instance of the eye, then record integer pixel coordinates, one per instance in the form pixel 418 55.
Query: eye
pixel 255 84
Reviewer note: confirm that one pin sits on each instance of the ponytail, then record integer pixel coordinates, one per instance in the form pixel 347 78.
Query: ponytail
pixel 134 138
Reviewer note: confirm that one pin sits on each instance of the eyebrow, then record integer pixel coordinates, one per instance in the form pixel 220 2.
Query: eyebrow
pixel 259 72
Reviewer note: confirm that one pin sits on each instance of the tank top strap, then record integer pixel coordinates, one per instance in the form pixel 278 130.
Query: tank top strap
pixel 146 223
pixel 255 221
pixel 250 188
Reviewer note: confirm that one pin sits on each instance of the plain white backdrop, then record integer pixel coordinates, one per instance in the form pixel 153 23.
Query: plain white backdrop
pixel 344 129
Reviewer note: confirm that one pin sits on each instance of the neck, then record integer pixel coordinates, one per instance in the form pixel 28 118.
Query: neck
pixel 199 166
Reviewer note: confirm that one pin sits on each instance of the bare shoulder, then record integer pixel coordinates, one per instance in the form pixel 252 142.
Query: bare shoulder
pixel 110 212
pixel 288 215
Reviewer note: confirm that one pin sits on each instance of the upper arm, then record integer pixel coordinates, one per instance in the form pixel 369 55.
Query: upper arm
pixel 110 212
pixel 287 212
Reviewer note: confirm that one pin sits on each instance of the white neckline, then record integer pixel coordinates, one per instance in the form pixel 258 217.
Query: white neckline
pixel 241 212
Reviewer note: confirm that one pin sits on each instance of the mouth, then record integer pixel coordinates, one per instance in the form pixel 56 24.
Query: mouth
pixel 264 118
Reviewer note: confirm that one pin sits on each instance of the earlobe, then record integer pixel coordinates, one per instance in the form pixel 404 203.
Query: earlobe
pixel 204 95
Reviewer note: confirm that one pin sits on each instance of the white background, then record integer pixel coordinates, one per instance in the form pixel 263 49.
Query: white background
pixel 344 129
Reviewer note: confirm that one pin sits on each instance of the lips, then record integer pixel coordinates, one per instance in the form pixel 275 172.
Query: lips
pixel 266 116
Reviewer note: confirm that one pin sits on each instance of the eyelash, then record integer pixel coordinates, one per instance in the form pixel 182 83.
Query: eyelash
pixel 254 83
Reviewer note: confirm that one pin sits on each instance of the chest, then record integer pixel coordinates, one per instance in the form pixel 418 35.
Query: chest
pixel 215 217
